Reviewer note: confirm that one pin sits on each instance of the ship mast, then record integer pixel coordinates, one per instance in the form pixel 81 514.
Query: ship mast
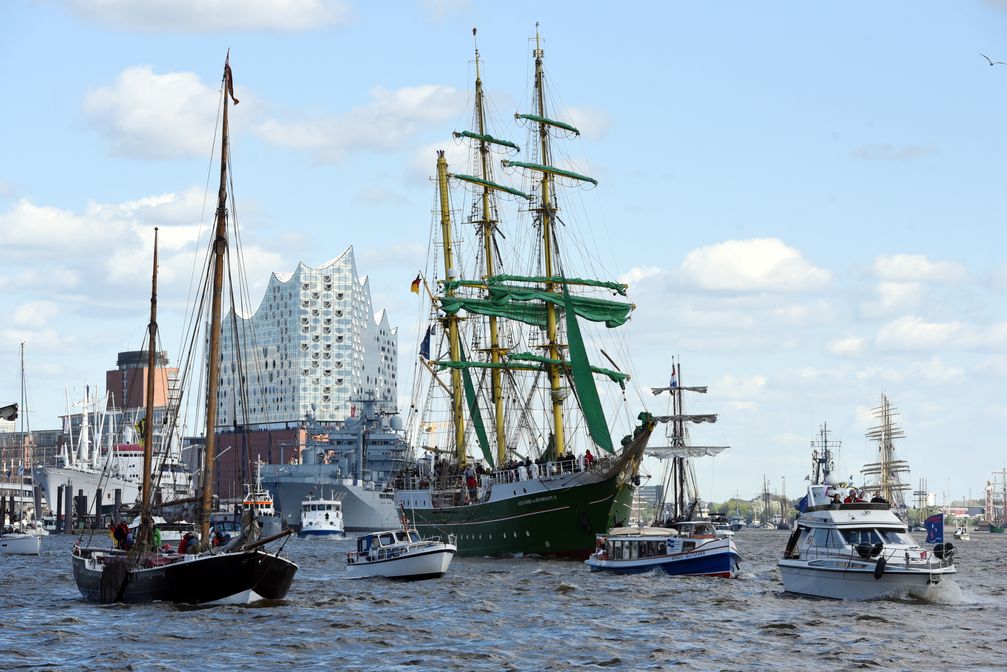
pixel 219 251
pixel 148 420
pixel 488 225
pixel 457 399
pixel 546 209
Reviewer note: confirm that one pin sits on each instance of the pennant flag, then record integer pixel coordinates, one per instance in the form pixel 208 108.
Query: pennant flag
pixel 415 287
pixel 935 528
pixel 674 379
pixel 802 505
pixel 425 345
pixel 229 77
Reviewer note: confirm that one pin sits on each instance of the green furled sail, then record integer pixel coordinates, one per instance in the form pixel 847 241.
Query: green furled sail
pixel 474 414
pixel 618 287
pixel 583 382
pixel 548 122
pixel 615 376
pixel 490 185
pixel 486 137
pixel 551 170
pixel 521 303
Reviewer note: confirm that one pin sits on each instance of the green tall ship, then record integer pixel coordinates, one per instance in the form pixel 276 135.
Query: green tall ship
pixel 514 454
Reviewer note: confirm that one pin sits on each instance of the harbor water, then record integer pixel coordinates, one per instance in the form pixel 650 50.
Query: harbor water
pixel 515 614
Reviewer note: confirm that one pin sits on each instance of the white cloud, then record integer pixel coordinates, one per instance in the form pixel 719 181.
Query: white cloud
pixel 998 278
pixel 912 332
pixel 424 162
pixel 911 268
pixel 739 388
pixel 994 366
pixel 754 265
pixel 150 116
pixel 203 16
pixel 385 124
pixel 592 122
pixel 378 195
pixel 894 297
pixel 641 273
pixel 34 314
pixel 935 372
pixel 846 346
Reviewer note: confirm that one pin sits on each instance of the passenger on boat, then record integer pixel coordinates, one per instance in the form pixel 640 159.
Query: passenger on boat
pixel 119 533
pixel 588 458
pixel 878 499
pixel 836 500
pixel 189 541
pixel 127 543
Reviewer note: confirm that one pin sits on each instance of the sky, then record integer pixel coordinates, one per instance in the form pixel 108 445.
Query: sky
pixel 806 198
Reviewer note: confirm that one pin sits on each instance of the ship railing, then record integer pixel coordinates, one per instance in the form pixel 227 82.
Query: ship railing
pixel 892 556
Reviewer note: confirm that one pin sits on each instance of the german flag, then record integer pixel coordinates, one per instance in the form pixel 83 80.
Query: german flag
pixel 415 287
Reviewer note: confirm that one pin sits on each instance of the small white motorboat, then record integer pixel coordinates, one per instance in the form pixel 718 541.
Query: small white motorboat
pixel 400 554
pixel 962 533
pixel 693 549
pixel 322 518
pixel 19 543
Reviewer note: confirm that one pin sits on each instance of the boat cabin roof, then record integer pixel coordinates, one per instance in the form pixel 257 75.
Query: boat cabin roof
pixel 642 532
pixel 388 538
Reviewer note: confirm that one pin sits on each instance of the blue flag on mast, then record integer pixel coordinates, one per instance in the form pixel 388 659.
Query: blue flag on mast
pixel 935 528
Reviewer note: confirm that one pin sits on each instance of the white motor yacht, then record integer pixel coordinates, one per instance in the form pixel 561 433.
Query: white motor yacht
pixel 857 551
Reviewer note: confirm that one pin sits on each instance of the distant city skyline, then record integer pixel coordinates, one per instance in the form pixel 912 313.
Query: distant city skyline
pixel 806 200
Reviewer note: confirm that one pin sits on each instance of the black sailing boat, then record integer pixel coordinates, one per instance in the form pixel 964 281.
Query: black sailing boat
pixel 239 572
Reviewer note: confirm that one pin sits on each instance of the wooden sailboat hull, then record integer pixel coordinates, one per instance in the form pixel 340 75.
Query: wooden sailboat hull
pixel 245 576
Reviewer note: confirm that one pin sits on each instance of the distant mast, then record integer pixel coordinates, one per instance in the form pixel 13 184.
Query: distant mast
pixel 888 470
pixel 821 456
pixel 680 478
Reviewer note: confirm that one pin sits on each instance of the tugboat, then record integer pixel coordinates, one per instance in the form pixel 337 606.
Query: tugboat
pixel 260 502
pixel 853 549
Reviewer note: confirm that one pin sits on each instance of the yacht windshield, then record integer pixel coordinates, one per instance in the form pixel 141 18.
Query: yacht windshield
pixel 897 537
pixel 861 536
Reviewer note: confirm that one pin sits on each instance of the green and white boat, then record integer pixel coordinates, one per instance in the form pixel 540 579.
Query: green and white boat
pixel 515 455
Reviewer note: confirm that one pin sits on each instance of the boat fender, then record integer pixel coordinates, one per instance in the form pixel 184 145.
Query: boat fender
pixel 876 551
pixel 864 550
pixel 943 551
pixel 879 569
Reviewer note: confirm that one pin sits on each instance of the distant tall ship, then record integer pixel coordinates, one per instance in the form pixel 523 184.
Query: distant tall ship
pixel 355 462
pixel 886 475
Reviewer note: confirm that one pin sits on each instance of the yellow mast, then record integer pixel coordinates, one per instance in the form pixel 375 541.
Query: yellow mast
pixel 219 250
pixel 555 379
pixel 457 393
pixel 488 223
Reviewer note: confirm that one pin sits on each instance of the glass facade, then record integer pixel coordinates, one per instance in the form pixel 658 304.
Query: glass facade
pixel 313 346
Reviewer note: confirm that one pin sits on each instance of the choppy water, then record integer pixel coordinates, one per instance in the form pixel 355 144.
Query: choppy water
pixel 521 614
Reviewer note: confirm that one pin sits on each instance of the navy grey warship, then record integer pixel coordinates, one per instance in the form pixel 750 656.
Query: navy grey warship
pixel 355 461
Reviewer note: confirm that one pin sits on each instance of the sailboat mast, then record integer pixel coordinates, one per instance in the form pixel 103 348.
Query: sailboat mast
pixel 545 210
pixel 148 425
pixel 457 398
pixel 219 250
pixel 488 224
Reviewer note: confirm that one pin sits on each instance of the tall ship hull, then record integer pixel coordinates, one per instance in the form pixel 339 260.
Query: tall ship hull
pixel 551 516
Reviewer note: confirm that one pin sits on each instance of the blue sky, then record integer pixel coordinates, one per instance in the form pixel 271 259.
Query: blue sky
pixel 805 197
